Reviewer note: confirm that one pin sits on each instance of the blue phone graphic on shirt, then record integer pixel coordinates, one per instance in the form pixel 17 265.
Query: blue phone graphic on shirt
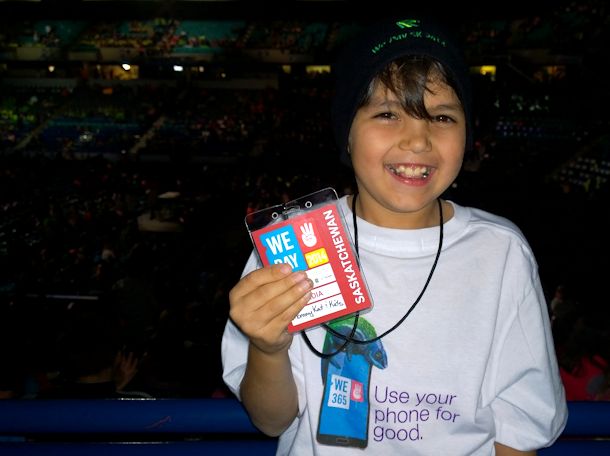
pixel 344 413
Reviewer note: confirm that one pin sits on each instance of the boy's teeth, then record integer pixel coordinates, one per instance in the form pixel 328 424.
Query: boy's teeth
pixel 412 171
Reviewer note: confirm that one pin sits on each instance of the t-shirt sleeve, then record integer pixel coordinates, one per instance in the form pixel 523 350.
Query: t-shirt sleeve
pixel 530 409
pixel 234 345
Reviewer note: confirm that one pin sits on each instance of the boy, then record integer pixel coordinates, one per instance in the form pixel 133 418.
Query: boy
pixel 456 357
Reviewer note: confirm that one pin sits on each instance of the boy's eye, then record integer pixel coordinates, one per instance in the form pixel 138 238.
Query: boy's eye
pixel 443 119
pixel 386 115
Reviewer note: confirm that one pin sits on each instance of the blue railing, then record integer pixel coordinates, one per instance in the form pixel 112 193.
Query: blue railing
pixel 182 427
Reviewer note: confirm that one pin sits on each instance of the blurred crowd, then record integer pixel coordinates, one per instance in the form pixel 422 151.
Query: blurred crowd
pixel 122 206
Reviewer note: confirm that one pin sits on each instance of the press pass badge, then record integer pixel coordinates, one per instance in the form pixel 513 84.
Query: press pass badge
pixel 309 233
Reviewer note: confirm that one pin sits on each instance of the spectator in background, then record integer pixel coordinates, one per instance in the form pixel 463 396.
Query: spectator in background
pixel 563 310
pixel 95 365
pixel 136 302
pixel 11 381
pixel 583 348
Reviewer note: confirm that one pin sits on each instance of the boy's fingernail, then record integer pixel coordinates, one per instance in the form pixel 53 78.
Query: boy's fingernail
pixel 299 276
pixel 285 268
pixel 305 284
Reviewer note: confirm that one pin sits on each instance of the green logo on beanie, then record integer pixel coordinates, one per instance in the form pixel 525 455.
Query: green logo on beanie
pixel 418 34
pixel 408 23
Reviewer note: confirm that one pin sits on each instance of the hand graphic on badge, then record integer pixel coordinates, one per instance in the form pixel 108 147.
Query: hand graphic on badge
pixel 308 236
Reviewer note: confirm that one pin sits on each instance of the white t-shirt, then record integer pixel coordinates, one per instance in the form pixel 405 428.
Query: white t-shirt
pixel 472 364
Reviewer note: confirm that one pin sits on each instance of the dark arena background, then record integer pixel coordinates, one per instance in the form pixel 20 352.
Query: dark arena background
pixel 136 136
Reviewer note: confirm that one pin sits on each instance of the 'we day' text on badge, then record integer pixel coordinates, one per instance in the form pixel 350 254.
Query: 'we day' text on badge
pixel 316 242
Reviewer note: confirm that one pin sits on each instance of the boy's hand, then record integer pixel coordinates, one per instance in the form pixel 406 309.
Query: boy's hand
pixel 265 301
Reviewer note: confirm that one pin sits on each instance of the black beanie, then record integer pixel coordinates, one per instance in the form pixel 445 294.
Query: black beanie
pixel 378 45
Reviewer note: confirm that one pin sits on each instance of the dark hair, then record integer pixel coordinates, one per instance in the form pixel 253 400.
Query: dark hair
pixel 409 79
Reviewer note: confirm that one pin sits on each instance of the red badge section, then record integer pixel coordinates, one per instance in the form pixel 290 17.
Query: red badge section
pixel 316 241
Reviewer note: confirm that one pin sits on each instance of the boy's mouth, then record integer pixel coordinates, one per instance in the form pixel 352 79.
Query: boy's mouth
pixel 410 172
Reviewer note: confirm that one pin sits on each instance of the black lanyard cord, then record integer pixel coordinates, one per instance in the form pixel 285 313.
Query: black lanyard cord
pixel 350 338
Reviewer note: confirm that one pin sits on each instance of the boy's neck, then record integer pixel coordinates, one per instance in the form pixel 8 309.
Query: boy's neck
pixel 426 218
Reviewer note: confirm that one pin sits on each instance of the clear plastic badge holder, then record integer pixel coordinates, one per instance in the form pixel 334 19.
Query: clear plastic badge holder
pixel 310 234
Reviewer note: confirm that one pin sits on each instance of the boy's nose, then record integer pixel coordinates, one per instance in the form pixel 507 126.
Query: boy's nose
pixel 414 136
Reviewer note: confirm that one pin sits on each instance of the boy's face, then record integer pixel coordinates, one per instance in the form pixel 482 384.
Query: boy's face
pixel 402 164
